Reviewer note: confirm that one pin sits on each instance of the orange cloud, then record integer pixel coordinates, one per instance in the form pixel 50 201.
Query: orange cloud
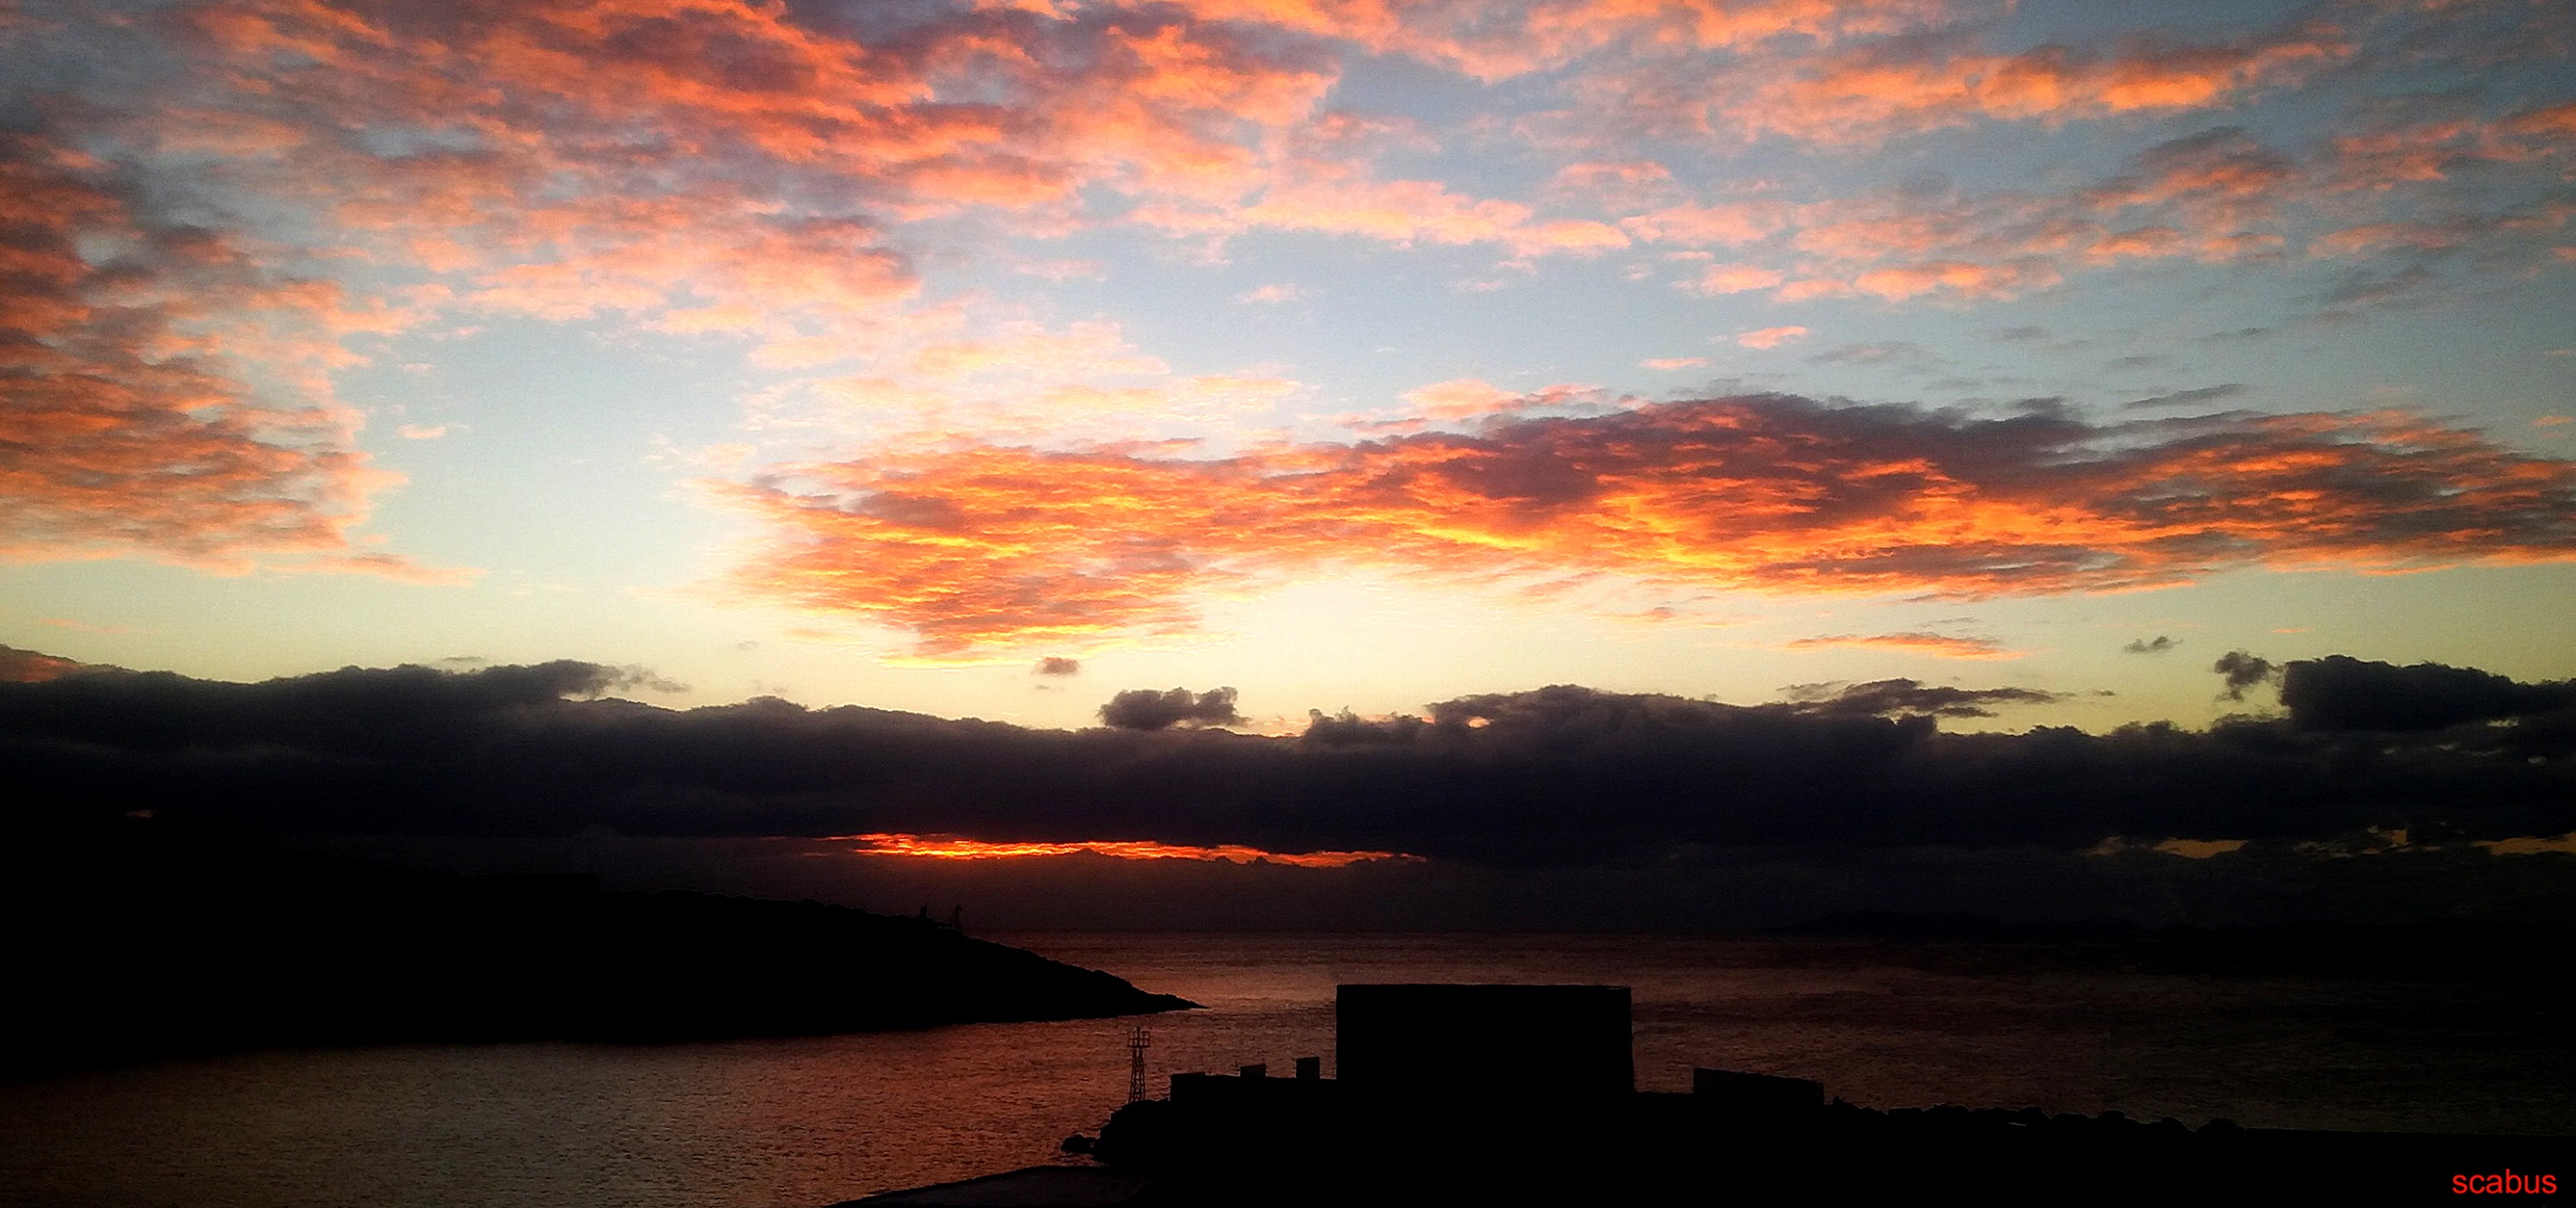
pixel 1887 90
pixel 719 166
pixel 2208 196
pixel 723 169
pixel 1955 276
pixel 951 847
pixel 2412 149
pixel 984 545
pixel 1495 42
pixel 2140 243
pixel 2526 224
pixel 1913 643
pixel 1632 185
pixel 2221 176
pixel 2378 237
pixel 1082 349
pixel 1321 180
pixel 950 370
pixel 1461 398
pixel 388 566
pixel 163 391
pixel 1770 337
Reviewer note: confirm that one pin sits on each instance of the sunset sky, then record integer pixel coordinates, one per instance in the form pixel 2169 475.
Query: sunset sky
pixel 988 359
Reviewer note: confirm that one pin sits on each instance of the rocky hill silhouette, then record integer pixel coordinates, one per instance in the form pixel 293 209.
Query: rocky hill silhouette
pixel 134 942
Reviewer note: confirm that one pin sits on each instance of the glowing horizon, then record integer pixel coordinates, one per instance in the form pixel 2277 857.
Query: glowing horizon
pixel 953 847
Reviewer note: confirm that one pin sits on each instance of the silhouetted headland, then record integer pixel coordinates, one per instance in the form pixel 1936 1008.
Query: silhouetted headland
pixel 134 944
pixel 1525 1094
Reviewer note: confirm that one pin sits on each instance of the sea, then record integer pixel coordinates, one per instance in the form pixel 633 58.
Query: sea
pixel 802 1123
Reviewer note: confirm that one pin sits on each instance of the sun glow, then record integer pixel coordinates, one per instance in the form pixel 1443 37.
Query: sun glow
pixel 951 847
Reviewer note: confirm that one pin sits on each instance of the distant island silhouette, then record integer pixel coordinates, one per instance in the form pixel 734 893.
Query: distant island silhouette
pixel 137 943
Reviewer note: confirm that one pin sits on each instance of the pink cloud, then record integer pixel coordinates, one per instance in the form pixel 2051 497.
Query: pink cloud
pixel 1710 226
pixel 1622 186
pixel 1733 279
pixel 1954 276
pixel 1770 337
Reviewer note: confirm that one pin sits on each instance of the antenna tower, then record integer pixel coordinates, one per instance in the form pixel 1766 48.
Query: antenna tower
pixel 1138 1040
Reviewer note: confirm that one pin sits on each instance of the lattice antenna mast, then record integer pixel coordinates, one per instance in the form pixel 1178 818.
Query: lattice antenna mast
pixel 1138 1040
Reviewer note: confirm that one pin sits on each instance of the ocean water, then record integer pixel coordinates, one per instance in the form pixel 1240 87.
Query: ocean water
pixel 808 1122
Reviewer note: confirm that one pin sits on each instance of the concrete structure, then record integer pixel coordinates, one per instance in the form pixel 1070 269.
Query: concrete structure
pixel 1553 1044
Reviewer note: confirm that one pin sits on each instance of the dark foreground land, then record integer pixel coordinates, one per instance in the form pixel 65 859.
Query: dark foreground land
pixel 1656 1149
pixel 1523 1094
pixel 131 944
pixel 1666 1149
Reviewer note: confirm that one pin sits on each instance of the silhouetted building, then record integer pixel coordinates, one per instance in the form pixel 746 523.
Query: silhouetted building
pixel 1518 1043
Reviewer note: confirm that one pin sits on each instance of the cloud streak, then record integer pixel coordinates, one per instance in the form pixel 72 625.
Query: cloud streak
pixel 987 545
pixel 1936 645
pixel 1909 698
pixel 950 847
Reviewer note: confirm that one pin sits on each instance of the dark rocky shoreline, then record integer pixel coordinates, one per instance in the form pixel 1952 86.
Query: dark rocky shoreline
pixel 134 945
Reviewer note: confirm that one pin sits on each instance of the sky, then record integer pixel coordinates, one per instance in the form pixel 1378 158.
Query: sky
pixel 991 360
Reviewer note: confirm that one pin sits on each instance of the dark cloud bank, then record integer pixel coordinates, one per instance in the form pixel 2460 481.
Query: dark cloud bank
pixel 1557 807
